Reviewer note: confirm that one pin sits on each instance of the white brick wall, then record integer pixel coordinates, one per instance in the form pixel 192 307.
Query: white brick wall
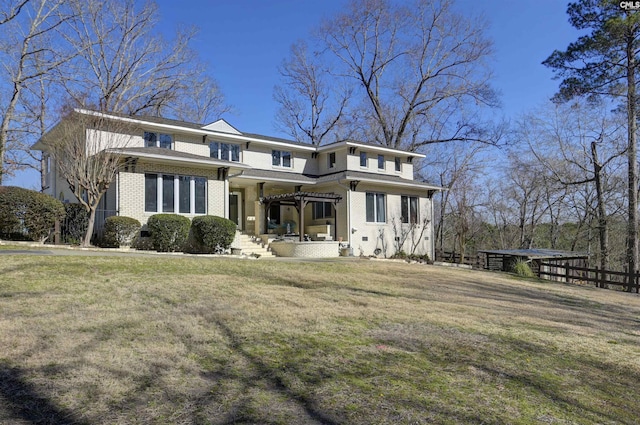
pixel 131 188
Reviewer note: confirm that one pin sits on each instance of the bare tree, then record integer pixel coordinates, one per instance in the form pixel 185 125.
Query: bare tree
pixel 124 65
pixel 85 147
pixel 11 9
pixel 420 70
pixel 27 56
pixel 580 146
pixel 312 106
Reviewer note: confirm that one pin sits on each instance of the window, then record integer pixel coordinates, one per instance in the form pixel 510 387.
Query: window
pixel 380 162
pixel 200 189
pixel 332 160
pixel 46 170
pixel 363 159
pixel 409 209
pixel 376 208
pixel 281 158
pixel 398 163
pixel 184 194
pixel 224 151
pixel 151 192
pixel 169 193
pixel 168 198
pixel 157 140
pixel 322 210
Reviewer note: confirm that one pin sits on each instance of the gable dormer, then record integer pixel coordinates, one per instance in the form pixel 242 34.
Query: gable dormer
pixel 221 126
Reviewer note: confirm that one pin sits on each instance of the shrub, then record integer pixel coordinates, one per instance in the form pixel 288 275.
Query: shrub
pixel 27 213
pixel 169 232
pixel 399 255
pixel 210 234
pixel 74 226
pixel 522 268
pixel 120 231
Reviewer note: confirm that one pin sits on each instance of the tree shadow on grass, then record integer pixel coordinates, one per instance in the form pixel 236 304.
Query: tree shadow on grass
pixel 23 402
pixel 310 408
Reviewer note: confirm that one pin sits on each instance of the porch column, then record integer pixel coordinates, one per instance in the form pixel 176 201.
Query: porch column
pixel 303 203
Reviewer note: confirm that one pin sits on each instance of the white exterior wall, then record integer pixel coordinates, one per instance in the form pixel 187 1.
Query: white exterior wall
pixel 192 145
pixel 98 140
pixel 382 235
pixel 259 156
pixel 340 165
pixel 131 188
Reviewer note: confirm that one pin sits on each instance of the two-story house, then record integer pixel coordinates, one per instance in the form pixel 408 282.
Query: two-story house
pixel 362 194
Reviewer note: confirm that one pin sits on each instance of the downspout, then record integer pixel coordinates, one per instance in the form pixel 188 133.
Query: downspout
pixel 348 201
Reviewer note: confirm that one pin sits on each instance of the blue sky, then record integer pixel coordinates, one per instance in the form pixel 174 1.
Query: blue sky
pixel 244 41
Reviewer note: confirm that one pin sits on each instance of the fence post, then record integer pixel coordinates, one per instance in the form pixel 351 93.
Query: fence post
pixel 566 272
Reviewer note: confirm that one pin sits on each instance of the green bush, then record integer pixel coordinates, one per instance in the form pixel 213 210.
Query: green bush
pixel 210 234
pixel 169 232
pixel 28 214
pixel 74 227
pixel 120 231
pixel 522 268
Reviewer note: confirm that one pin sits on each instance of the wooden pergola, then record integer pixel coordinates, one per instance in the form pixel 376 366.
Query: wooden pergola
pixel 300 200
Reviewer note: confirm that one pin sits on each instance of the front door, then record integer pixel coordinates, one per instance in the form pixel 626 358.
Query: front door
pixel 235 208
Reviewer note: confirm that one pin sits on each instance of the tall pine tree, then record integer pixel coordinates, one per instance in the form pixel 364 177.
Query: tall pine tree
pixel 604 62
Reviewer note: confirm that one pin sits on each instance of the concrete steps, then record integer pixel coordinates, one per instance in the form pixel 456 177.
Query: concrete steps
pixel 251 245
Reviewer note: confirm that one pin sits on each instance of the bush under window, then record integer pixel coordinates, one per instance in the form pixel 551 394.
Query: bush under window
pixel 120 231
pixel 210 234
pixel 169 232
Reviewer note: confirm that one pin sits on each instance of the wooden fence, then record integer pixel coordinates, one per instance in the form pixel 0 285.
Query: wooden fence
pixel 600 278
pixel 476 261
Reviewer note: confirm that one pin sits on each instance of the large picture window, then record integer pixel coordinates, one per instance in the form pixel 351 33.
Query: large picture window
pixel 225 151
pixel 376 208
pixel 281 158
pixel 409 209
pixel 171 193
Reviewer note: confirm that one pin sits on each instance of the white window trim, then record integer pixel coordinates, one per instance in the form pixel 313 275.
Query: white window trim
pixel 220 151
pixel 375 208
pixel 280 165
pixel 176 195
pixel 408 198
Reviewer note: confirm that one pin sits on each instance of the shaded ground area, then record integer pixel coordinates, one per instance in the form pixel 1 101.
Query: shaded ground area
pixel 211 341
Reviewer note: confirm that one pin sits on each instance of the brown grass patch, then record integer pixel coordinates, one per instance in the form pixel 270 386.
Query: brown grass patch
pixel 180 340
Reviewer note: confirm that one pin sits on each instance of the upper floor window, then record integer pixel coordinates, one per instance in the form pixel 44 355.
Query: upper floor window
pixel 224 151
pixel 380 162
pixel 281 158
pixel 157 140
pixel 363 159
pixel 409 209
pixel 332 160
pixel 398 163
pixel 376 208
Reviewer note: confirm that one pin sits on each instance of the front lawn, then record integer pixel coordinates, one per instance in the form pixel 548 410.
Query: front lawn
pixel 170 340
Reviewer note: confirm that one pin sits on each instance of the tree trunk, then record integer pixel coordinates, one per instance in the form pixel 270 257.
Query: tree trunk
pixel 86 242
pixel 632 232
pixel 603 227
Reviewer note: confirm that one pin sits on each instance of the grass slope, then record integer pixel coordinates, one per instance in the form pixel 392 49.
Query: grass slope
pixel 119 340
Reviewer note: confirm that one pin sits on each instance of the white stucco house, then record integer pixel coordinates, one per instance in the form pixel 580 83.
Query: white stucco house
pixel 361 194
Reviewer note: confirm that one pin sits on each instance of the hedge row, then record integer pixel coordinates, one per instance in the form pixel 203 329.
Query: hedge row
pixel 27 214
pixel 204 235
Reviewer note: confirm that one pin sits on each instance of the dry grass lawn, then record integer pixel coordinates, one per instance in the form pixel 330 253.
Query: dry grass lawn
pixel 170 340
